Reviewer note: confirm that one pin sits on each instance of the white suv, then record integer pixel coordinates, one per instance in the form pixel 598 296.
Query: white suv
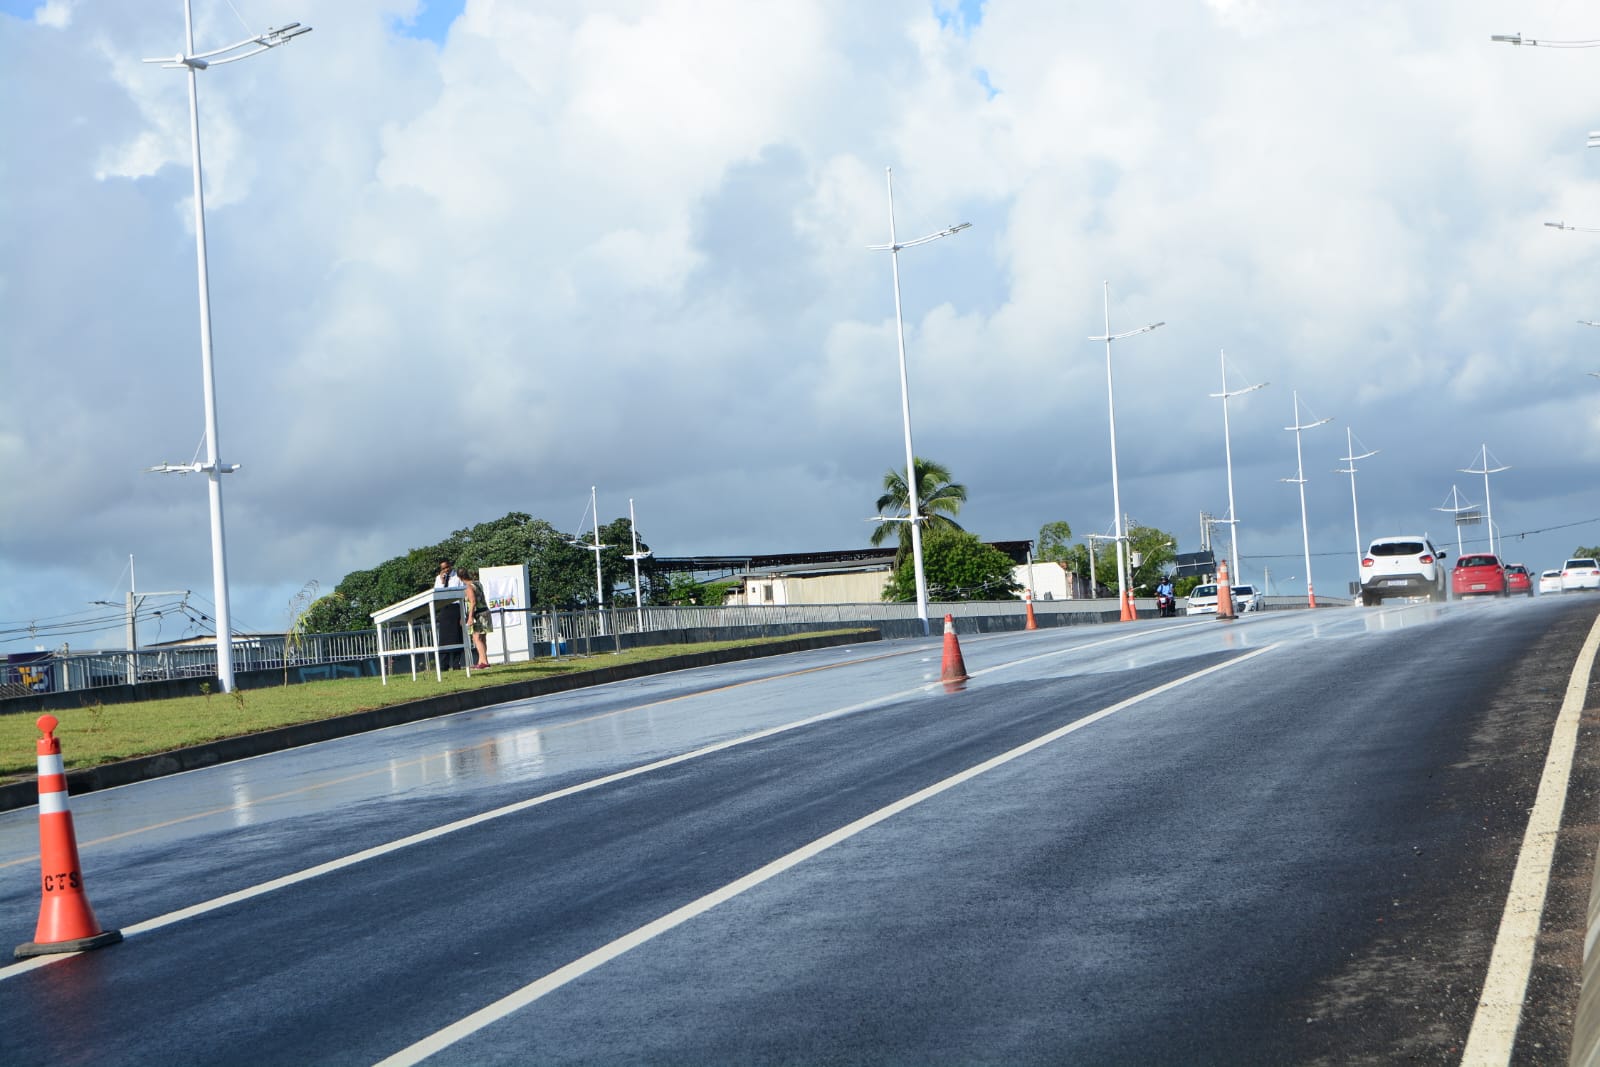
pixel 1580 574
pixel 1401 566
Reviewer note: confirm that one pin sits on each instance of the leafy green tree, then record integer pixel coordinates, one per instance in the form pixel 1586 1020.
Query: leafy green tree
pixel 1585 553
pixel 938 498
pixel 1157 550
pixel 1055 543
pixel 681 590
pixel 560 573
pixel 957 566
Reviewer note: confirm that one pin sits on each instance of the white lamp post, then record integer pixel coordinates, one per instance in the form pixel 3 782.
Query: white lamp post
pixel 1300 480
pixel 213 469
pixel 596 548
pixel 1518 39
pixel 1355 515
pixel 912 516
pixel 1124 594
pixel 635 556
pixel 1227 446
pixel 1455 509
pixel 1094 579
pixel 1488 505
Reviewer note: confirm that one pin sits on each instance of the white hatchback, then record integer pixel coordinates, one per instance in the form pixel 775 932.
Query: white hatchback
pixel 1202 600
pixel 1550 582
pixel 1580 574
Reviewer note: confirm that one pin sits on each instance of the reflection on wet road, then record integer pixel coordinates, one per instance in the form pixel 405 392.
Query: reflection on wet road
pixel 1089 784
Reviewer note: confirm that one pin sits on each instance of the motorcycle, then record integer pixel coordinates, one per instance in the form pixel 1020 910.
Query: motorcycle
pixel 1166 606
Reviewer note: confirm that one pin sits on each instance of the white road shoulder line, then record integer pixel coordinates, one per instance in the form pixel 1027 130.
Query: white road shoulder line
pixel 1494 1027
pixel 549 983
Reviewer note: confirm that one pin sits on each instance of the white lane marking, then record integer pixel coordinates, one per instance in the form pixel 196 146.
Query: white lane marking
pixel 388 768
pixel 1494 1027
pixel 335 865
pixel 532 992
pixel 377 851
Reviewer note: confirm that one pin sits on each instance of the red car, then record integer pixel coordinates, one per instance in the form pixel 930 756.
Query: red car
pixel 1518 580
pixel 1478 574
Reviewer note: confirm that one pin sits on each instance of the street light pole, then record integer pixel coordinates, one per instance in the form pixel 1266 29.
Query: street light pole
pixel 1518 39
pixel 1455 510
pixel 1300 479
pixel 912 516
pixel 1488 505
pixel 597 548
pixel 1094 578
pixel 1227 445
pixel 213 469
pixel 1124 594
pixel 635 556
pixel 1349 446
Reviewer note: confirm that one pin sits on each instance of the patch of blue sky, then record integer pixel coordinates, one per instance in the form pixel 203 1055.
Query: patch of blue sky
pixel 20 9
pixel 962 16
pixel 431 22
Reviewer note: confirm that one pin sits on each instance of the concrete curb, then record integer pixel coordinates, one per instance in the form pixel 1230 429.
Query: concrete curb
pixel 25 793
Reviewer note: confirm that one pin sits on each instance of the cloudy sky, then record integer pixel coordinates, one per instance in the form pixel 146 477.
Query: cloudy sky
pixel 471 258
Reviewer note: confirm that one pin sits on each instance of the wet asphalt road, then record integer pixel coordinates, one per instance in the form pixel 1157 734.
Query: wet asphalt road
pixel 1281 840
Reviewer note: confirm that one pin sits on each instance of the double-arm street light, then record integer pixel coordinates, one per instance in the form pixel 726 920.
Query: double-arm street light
pixel 1355 513
pixel 913 516
pixel 194 62
pixel 1300 480
pixel 1456 509
pixel 1227 447
pixel 1488 505
pixel 1518 39
pixel 636 556
pixel 1124 593
pixel 597 548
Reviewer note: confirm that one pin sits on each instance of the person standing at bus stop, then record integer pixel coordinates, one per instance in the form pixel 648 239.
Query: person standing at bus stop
pixel 449 635
pixel 479 621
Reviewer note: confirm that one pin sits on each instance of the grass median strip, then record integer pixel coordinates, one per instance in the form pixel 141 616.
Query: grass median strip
pixel 97 734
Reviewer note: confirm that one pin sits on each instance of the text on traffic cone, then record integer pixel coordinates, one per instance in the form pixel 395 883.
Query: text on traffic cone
pixel 66 921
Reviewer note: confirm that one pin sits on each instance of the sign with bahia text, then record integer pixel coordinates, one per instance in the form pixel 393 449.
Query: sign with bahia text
pixel 506 590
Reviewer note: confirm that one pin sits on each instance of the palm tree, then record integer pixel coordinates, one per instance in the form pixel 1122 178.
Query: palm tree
pixel 938 498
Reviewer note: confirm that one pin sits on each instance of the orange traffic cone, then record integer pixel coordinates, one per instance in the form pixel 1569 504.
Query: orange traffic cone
pixel 66 921
pixel 1033 623
pixel 1129 612
pixel 1224 593
pixel 954 668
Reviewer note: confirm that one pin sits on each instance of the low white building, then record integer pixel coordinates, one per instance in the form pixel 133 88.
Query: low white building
pixel 859 576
